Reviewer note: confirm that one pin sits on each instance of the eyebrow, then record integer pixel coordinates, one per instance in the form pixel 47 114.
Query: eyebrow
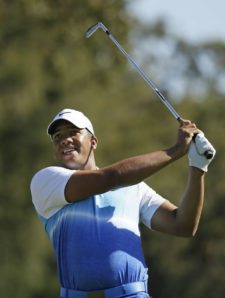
pixel 72 127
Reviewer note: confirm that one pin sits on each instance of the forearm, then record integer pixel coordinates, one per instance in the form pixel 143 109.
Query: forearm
pixel 135 169
pixel 126 172
pixel 190 209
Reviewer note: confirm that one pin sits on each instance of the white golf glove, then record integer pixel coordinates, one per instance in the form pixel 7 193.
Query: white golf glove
pixel 196 152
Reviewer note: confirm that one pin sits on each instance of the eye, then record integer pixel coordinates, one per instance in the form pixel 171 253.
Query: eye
pixel 74 132
pixel 56 137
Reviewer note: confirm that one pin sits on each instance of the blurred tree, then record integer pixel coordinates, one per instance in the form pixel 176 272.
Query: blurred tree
pixel 46 65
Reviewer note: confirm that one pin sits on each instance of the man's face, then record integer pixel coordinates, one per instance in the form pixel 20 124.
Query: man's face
pixel 72 146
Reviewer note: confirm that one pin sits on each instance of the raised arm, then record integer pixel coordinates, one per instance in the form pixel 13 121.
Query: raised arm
pixel 184 219
pixel 129 171
pixel 126 172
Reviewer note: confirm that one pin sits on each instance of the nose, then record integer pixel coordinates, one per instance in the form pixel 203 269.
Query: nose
pixel 66 139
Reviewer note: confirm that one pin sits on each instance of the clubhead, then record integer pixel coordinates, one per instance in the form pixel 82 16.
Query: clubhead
pixel 92 30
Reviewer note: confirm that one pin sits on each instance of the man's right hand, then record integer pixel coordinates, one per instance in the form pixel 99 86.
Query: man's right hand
pixel 186 132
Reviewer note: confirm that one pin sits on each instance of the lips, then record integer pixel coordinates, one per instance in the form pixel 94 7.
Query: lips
pixel 68 151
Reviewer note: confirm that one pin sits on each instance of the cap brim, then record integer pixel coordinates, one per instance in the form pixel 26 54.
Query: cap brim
pixel 52 126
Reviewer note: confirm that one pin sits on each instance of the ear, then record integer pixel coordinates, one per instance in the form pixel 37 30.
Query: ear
pixel 94 142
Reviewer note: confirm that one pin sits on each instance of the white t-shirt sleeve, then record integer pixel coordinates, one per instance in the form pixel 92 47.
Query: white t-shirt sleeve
pixel 47 190
pixel 150 202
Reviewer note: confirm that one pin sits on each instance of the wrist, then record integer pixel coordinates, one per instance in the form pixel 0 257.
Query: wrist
pixel 175 152
pixel 196 171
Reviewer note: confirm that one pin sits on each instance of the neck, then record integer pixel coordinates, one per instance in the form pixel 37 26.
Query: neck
pixel 90 164
pixel 90 161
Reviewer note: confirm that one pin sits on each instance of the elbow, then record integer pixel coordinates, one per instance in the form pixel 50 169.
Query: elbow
pixel 187 228
pixel 188 235
pixel 188 232
pixel 193 232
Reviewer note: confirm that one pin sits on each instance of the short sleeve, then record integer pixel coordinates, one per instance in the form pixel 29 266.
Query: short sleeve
pixel 47 190
pixel 150 202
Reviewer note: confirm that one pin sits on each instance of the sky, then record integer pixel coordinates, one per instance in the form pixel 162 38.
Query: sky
pixel 194 20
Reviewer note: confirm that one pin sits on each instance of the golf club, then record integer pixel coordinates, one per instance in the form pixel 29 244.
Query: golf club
pixel 208 154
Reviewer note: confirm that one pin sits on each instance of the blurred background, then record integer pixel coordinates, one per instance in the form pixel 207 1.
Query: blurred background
pixel 47 65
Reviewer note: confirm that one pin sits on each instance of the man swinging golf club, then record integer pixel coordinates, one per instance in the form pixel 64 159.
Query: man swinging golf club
pixel 92 215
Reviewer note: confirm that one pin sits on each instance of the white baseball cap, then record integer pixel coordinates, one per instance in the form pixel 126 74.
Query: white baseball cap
pixel 75 117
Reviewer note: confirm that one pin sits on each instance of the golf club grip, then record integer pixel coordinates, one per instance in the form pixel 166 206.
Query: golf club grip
pixel 208 153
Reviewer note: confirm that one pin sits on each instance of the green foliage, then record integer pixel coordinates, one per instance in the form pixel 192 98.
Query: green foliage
pixel 46 65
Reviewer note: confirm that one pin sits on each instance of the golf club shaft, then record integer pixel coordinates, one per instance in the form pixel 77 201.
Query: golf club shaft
pixel 94 28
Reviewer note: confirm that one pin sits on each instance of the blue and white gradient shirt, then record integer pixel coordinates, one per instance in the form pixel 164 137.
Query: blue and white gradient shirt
pixel 96 240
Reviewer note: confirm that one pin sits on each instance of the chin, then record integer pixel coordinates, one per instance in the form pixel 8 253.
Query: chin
pixel 71 165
